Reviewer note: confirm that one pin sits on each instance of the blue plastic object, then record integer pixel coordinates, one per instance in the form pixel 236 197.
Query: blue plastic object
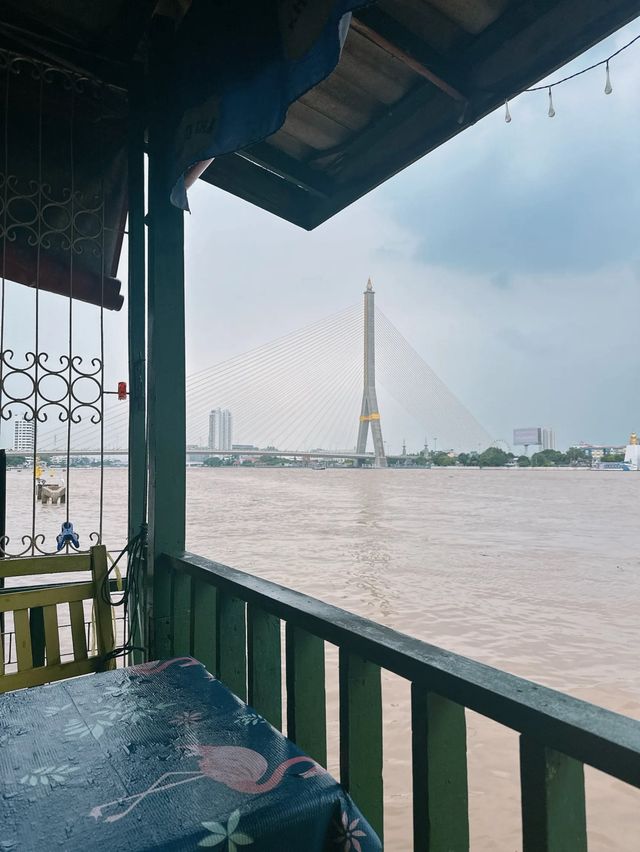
pixel 67 536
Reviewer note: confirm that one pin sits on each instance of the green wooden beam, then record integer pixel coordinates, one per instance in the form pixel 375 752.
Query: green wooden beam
pixel 361 736
pixel 265 665
pixel 136 318
pixel 306 699
pixel 553 806
pixel 440 791
pixel 166 344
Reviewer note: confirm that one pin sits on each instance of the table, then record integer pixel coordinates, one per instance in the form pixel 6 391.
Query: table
pixel 161 756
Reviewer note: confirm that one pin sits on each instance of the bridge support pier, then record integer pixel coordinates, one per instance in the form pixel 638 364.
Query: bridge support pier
pixel 369 414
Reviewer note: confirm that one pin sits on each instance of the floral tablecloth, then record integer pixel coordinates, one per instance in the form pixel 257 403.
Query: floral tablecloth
pixel 161 756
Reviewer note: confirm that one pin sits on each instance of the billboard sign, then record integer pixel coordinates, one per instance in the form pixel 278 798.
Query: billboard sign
pixel 525 437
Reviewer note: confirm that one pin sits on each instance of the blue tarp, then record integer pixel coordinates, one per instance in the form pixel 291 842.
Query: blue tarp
pixel 239 66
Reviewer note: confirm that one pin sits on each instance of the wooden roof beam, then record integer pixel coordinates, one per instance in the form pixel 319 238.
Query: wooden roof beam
pixel 400 43
pixel 267 156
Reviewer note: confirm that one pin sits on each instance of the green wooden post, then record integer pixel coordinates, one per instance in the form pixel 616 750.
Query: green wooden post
pixel 553 806
pixel 166 341
pixel 306 700
pixel 361 736
pixel 204 615
pixel 136 308
pixel 232 644
pixel 440 791
pixel 181 616
pixel 265 664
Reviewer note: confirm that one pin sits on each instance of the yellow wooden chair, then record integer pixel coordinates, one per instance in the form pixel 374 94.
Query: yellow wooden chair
pixel 38 633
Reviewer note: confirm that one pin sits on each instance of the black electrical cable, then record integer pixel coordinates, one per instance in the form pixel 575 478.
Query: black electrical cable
pixel 584 70
pixel 136 554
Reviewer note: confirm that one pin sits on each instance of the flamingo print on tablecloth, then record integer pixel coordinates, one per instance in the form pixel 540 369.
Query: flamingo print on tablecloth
pixel 237 767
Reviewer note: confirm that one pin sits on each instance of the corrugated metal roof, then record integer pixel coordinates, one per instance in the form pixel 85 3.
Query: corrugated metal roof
pixel 412 75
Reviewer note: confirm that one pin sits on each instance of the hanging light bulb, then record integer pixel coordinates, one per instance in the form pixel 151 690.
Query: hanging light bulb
pixel 507 114
pixel 608 87
pixel 552 111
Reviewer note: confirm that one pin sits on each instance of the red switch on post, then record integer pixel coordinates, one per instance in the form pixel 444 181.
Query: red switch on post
pixel 122 390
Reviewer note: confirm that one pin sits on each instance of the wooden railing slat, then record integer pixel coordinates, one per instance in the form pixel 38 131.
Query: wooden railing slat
pixel 306 699
pixel 23 639
pixel 42 596
pixel 34 565
pixel 181 615
pixel 78 637
pixel 361 735
pixel 553 803
pixel 232 644
pixel 51 635
pixel 46 674
pixel 440 788
pixel 265 665
pixel 102 607
pixel 204 612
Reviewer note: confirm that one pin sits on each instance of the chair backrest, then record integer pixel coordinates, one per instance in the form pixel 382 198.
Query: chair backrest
pixel 42 641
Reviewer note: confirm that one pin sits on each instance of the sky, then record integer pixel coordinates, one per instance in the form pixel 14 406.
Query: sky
pixel 509 258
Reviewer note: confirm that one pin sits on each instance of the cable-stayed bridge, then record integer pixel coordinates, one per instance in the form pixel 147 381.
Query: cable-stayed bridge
pixel 311 392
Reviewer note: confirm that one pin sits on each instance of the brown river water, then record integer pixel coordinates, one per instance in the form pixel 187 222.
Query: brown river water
pixel 533 571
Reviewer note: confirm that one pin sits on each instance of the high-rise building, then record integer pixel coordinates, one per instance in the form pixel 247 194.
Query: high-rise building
pixel 220 429
pixel 547 438
pixel 23 435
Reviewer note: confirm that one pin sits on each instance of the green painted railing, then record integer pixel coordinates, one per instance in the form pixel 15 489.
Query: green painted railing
pixel 231 621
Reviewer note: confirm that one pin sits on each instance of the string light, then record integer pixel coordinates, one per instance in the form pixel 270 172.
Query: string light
pixel 608 88
pixel 552 111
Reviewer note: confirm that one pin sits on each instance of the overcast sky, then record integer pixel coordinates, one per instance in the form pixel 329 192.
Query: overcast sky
pixel 509 258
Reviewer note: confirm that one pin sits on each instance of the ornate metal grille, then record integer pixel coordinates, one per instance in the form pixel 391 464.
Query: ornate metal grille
pixel 61 225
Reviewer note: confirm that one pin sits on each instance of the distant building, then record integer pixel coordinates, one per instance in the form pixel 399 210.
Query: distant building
pixel 243 447
pixel 547 437
pixel 597 451
pixel 23 435
pixel 220 429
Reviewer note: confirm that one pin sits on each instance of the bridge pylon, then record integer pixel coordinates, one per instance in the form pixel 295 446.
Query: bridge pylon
pixel 369 414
